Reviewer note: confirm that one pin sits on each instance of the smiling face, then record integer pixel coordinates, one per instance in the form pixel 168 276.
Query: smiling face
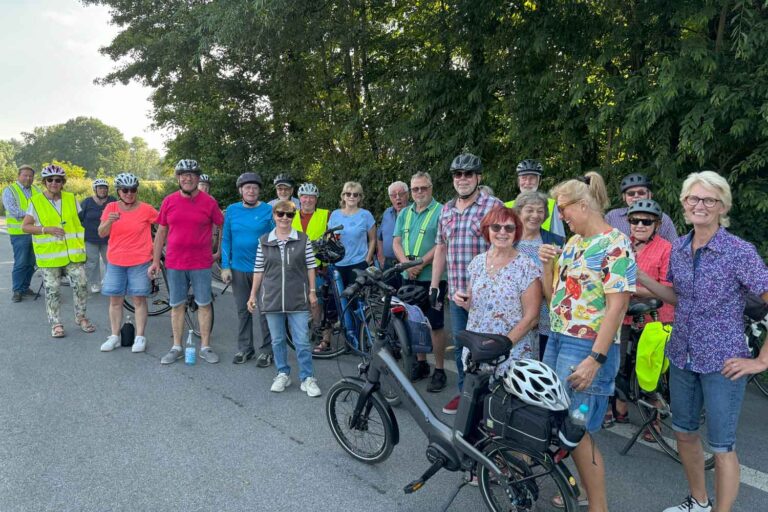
pixel 421 191
pixel 502 235
pixel 351 197
pixel 465 182
pixel 634 193
pixel 26 177
pixel 533 216
pixel 54 184
pixel 528 182
pixel 250 193
pixel 639 231
pixel 308 203
pixel 284 192
pixel 102 191
pixel 188 182
pixel 204 187
pixel 283 218
pixel 573 213
pixel 696 210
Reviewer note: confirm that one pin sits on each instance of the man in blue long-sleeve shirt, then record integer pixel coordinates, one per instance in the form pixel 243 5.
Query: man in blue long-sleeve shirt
pixel 16 201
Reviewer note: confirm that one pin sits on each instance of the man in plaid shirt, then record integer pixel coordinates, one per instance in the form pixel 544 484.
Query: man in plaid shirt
pixel 458 241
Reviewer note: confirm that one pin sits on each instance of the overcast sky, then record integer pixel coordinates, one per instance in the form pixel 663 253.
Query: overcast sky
pixel 48 60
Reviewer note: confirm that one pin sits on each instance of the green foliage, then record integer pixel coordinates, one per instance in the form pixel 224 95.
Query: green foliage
pixel 372 91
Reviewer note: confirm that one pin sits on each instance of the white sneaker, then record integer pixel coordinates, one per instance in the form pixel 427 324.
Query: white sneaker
pixel 281 382
pixel 309 385
pixel 95 288
pixel 139 344
pixel 690 504
pixel 111 344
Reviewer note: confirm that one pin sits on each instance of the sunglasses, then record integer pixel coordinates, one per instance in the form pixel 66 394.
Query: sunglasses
pixel 280 214
pixel 54 180
pixel 420 189
pixel 644 222
pixel 508 228
pixel 132 190
pixel 463 174
pixel 351 194
pixel 633 193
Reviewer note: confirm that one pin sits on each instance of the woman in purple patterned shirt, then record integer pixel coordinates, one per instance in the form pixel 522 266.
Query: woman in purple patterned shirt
pixel 711 272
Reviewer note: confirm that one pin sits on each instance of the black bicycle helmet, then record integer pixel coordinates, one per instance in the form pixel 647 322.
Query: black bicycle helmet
pixel 248 177
pixel 467 162
pixel 187 165
pixel 645 206
pixel 328 250
pixel 413 294
pixel 283 179
pixel 528 166
pixel 635 180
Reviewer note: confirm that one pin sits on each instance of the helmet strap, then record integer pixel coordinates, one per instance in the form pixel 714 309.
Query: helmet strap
pixel 464 197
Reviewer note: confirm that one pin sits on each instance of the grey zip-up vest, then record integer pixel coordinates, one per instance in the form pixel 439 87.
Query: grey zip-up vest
pixel 285 283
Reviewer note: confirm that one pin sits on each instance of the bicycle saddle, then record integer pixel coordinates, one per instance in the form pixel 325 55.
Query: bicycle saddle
pixel 644 306
pixel 485 347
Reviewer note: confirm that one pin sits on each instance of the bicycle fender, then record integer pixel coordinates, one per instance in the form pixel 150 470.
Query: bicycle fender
pixel 561 468
pixel 367 388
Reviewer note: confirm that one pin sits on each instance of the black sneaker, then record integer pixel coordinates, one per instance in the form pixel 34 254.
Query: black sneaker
pixel 419 370
pixel 264 360
pixel 242 357
pixel 438 381
pixel 16 297
pixel 29 292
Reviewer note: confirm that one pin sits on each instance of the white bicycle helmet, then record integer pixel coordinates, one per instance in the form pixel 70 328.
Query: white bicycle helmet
pixel 99 182
pixel 53 170
pixel 536 384
pixel 204 178
pixel 187 165
pixel 126 180
pixel 308 189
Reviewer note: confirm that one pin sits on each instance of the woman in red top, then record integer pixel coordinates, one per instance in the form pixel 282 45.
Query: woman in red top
pixel 652 254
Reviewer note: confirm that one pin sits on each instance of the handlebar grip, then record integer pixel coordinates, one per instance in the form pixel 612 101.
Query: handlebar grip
pixel 350 291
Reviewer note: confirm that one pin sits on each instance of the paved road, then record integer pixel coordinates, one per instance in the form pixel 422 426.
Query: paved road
pixel 82 430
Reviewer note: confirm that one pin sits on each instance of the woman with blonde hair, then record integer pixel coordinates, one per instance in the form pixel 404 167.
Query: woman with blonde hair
pixel 589 283
pixel 358 233
pixel 711 272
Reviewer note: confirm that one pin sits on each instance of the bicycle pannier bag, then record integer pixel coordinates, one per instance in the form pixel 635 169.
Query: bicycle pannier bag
pixel 127 333
pixel 522 425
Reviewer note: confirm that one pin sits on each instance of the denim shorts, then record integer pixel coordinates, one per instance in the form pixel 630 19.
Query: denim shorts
pixel 719 396
pixel 566 352
pixel 179 282
pixel 126 281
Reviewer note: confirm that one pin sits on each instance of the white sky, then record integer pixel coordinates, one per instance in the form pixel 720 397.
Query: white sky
pixel 49 59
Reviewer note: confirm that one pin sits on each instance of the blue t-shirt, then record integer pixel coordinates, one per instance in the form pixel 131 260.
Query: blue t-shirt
pixel 354 235
pixel 242 229
pixel 386 231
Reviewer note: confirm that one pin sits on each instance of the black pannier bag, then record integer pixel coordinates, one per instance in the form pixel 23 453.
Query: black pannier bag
pixel 522 425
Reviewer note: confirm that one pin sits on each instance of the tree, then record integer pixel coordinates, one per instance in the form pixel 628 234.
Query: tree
pixel 140 160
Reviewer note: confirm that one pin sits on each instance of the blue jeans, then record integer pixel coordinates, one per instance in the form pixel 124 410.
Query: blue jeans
pixel 459 318
pixel 131 281
pixel 721 397
pixel 23 262
pixel 298 323
pixel 179 282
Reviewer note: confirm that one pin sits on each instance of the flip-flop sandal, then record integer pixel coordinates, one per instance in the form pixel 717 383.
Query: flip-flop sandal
pixel 557 501
pixel 648 437
pixel 608 420
pixel 57 331
pixel 86 325
pixel 621 418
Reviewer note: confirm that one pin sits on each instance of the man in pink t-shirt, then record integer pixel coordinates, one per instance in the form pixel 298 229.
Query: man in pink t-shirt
pixel 186 221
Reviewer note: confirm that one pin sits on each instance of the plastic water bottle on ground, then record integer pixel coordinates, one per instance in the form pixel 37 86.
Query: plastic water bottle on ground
pixel 190 350
pixel 579 415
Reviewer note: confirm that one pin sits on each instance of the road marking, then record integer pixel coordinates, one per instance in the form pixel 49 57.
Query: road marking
pixel 749 476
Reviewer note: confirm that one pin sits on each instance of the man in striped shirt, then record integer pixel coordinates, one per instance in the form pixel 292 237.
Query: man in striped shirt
pixel 458 241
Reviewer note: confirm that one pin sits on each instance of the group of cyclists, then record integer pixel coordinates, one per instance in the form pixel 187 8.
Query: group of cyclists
pixel 499 268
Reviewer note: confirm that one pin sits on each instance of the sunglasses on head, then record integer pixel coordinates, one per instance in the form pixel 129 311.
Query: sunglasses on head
pixel 509 228
pixel 54 180
pixel 281 214
pixel 633 193
pixel 644 222
pixel 351 194
pixel 420 189
pixel 132 190
pixel 463 174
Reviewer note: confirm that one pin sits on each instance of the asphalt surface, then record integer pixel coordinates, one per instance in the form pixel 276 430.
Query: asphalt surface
pixel 82 430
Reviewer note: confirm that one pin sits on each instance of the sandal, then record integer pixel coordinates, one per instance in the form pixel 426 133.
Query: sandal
pixel 648 437
pixel 608 420
pixel 557 501
pixel 57 331
pixel 86 325
pixel 322 347
pixel 621 418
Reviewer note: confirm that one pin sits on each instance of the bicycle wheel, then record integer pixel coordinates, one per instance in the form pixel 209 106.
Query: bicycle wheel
pixel 369 441
pixel 528 487
pixel 365 337
pixel 159 300
pixel 761 379
pixel 657 404
pixel 190 315
pixel 336 342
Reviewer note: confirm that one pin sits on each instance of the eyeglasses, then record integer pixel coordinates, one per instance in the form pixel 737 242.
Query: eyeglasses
pixel 638 193
pixel 463 174
pixel 351 194
pixel 54 180
pixel 508 228
pixel 399 194
pixel 561 207
pixel 280 214
pixel 709 202
pixel 644 222
pixel 421 189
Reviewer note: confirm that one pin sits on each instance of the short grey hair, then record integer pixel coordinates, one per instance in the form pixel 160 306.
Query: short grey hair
pixel 395 185
pixel 422 174
pixel 26 167
pixel 531 197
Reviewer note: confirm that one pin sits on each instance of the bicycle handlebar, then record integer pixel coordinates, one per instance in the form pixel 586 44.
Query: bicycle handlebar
pixel 376 277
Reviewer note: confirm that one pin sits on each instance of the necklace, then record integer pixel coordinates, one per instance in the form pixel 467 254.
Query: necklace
pixel 495 262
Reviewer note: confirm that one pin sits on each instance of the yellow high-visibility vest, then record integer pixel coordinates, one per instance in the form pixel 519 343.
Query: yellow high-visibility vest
pixel 550 207
pixel 14 226
pixel 52 251
pixel 318 223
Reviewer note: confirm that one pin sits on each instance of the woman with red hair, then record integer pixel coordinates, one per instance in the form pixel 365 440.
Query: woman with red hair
pixel 505 291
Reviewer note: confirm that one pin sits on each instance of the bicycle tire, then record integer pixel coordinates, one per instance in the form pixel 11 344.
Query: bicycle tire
pixel 527 485
pixel 388 390
pixel 376 423
pixel 190 315
pixel 665 436
pixel 761 379
pixel 159 300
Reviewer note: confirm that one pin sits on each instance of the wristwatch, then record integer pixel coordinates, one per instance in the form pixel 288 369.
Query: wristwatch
pixel 597 356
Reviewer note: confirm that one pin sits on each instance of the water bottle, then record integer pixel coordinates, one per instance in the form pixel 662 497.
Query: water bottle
pixel 579 416
pixel 190 350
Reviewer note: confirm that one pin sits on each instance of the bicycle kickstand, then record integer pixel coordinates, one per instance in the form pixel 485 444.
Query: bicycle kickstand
pixel 642 428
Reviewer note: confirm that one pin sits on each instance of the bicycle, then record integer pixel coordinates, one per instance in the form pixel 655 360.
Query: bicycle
pixel 756 332
pixel 510 476
pixel 653 406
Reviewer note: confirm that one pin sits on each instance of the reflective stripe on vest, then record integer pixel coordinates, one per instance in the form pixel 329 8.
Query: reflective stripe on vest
pixel 52 251
pixel 14 226
pixel 422 229
pixel 550 207
pixel 318 223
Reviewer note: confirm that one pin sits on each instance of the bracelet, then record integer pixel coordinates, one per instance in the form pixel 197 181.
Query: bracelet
pixel 312 290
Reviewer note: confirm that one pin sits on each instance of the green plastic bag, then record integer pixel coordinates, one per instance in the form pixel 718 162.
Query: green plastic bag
pixel 651 362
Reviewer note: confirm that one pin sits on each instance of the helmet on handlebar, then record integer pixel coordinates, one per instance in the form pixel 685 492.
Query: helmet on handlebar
pixel 413 294
pixel 536 384
pixel 328 250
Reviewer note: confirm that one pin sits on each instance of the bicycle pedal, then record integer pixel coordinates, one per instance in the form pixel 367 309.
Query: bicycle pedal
pixel 413 486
